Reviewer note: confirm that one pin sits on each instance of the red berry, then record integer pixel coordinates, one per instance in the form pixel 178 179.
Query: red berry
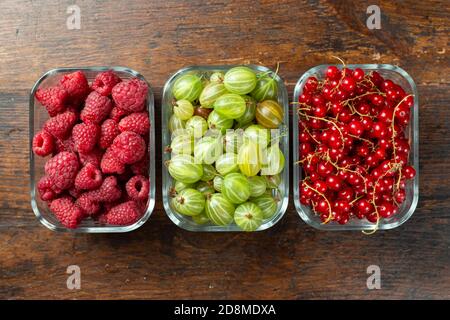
pixel 386 209
pixel 123 214
pixel 334 182
pixel 96 109
pixel 332 73
pixel 62 169
pixel 46 189
pixel 348 84
pixel 43 144
pixel 76 85
pixel 130 95
pixel 110 163
pixel 409 172
pixel 109 131
pixel 85 136
pixel 54 99
pixel 87 204
pixel 128 147
pixel 104 82
pixel 66 212
pixel 138 188
pixel 61 125
pixel 64 145
pixel 109 191
pixel 89 178
pixel 355 127
pixel 136 122
pixel 358 74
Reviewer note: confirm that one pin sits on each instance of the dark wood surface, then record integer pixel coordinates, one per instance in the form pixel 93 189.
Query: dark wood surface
pixel 289 261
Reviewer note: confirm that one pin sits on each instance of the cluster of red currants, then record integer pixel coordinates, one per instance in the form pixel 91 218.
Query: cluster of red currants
pixel 353 147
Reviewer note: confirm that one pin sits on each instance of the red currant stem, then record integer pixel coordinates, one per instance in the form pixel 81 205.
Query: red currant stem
pixel 363 139
pixel 329 121
pixel 330 214
pixel 307 131
pixel 340 60
pixel 356 199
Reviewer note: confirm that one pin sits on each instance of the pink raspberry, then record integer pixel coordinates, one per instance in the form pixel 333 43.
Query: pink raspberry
pixel 108 192
pixel 123 214
pixel 109 131
pixel 66 212
pixel 43 143
pixel 54 99
pixel 89 178
pixel 111 164
pixel 94 156
pixel 76 85
pixel 136 122
pixel 128 147
pixel 96 109
pixel 46 189
pixel 64 145
pixel 85 136
pixel 87 204
pixel 62 169
pixel 104 82
pixel 130 95
pixel 61 125
pixel 117 114
pixel 138 188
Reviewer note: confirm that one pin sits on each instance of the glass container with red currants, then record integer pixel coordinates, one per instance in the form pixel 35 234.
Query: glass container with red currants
pixel 356 128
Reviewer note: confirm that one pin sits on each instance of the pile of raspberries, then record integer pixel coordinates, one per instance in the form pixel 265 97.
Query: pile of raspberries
pixel 97 137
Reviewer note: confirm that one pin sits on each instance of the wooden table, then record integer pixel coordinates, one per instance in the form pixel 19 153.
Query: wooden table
pixel 289 261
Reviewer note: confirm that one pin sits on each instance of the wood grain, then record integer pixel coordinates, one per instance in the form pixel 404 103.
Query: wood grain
pixel 289 261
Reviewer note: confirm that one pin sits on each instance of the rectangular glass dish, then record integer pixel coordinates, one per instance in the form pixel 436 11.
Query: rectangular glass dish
pixel 38 115
pixel 186 222
pixel 407 208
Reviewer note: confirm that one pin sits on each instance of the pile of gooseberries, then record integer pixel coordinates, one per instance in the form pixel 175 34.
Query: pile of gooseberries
pixel 225 155
pixel 353 146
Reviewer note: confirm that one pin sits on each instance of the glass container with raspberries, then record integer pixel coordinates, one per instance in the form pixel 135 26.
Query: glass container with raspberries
pixel 92 149
pixel 355 147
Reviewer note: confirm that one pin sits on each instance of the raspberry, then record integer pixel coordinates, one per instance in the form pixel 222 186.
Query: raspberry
pixel 128 147
pixel 123 214
pixel 108 192
pixel 53 99
pixel 130 95
pixel 64 145
pixel 85 136
pixel 89 178
pixel 94 157
pixel 111 164
pixel 87 204
pixel 62 169
pixel 76 86
pixel 109 131
pixel 117 114
pixel 61 125
pixel 136 122
pixel 46 190
pixel 96 109
pixel 142 166
pixel 66 212
pixel 138 188
pixel 43 143
pixel 104 82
